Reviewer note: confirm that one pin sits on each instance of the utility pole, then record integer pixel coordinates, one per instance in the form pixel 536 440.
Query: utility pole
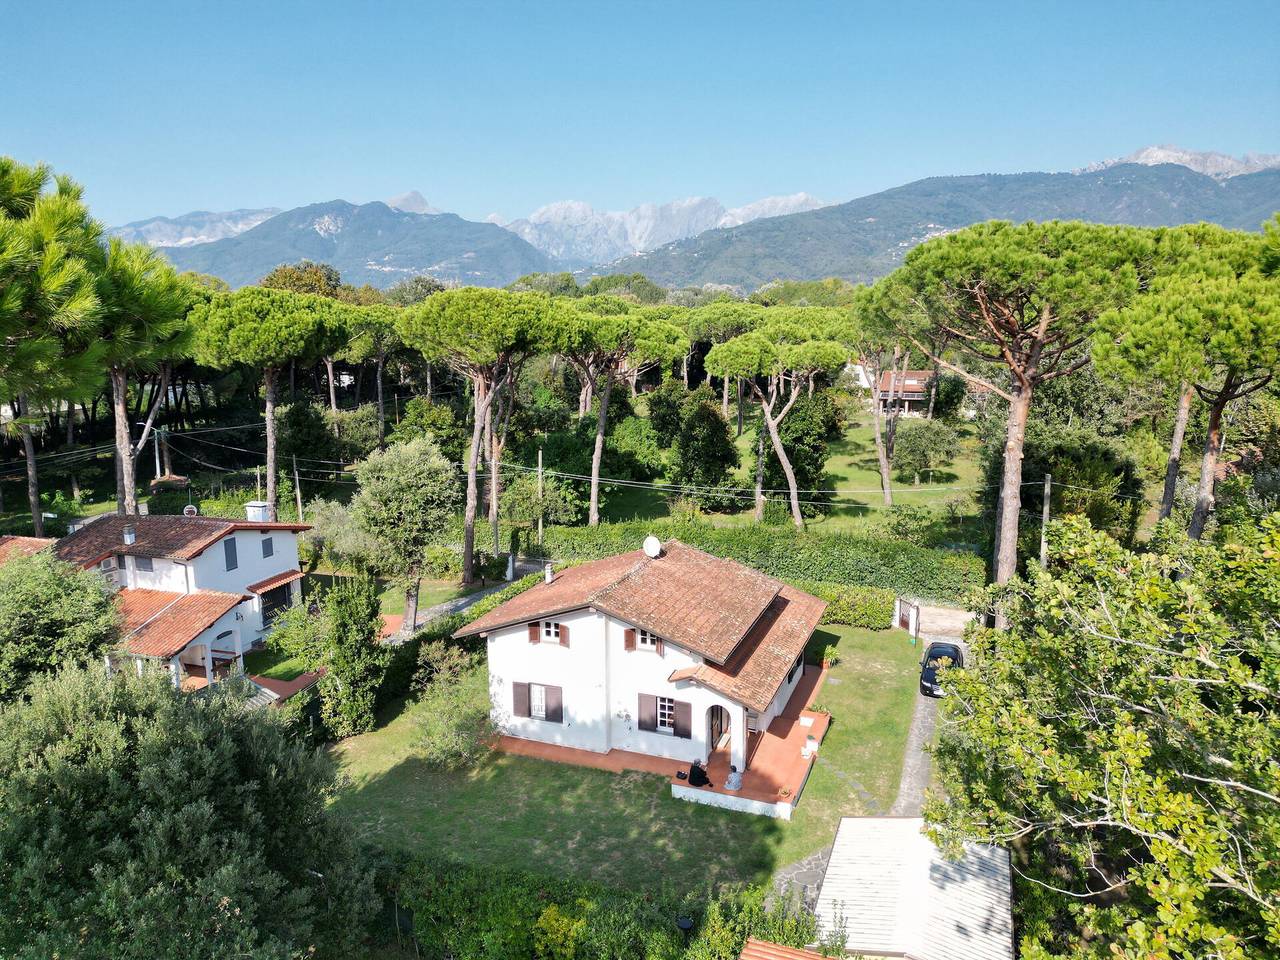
pixel 257 482
pixel 155 448
pixel 1044 521
pixel 297 490
pixel 540 510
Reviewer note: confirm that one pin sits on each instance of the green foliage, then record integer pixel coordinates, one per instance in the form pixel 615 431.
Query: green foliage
pixel 634 286
pixel 831 292
pixel 920 445
pixel 454 728
pixel 52 615
pixel 785 553
pixel 436 421
pixel 304 430
pixel 948 401
pixel 407 495
pixel 559 502
pixel 556 284
pixel 475 327
pixel 412 290
pixel 1124 725
pixel 705 455
pixel 137 822
pixel 260 328
pixel 870 607
pixel 805 435
pixel 441 563
pixel 635 442
pixel 666 410
pixel 509 914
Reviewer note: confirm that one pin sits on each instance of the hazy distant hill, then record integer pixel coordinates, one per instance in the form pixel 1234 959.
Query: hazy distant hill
pixel 368 243
pixel 199 226
pixel 866 238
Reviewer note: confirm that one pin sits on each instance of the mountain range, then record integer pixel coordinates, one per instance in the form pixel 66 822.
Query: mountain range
pixel 697 240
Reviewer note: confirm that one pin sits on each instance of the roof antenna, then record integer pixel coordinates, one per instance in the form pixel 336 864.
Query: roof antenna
pixel 652 547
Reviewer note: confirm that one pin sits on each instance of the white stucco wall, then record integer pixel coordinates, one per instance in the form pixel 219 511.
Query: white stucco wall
pixel 194 652
pixel 601 683
pixel 164 575
pixel 209 570
pixel 780 699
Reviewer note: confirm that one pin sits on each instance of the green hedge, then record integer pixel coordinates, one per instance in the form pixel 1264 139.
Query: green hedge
pixel 852 606
pixel 783 552
pixel 488 913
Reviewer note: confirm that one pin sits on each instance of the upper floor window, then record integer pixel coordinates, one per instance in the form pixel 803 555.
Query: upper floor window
pixel 143 564
pixel 646 640
pixel 268 548
pixel 666 713
pixel 229 549
pixel 550 631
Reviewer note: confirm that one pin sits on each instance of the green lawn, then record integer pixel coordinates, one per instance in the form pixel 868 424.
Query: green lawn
pixel 391 596
pixel 273 664
pixel 625 828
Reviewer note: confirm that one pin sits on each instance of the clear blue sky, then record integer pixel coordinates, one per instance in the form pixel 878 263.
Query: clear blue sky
pixel 501 107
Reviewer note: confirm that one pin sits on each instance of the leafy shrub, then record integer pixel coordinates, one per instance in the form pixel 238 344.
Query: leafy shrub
pixel 948 401
pixel 442 563
pixel 454 728
pixel 665 410
pixel 705 455
pixel 852 606
pixel 635 444
pixel 805 434
pixel 357 431
pixel 921 445
pixel 422 418
pixel 788 554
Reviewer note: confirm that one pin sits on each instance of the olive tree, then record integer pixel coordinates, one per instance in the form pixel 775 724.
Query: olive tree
pixel 267 330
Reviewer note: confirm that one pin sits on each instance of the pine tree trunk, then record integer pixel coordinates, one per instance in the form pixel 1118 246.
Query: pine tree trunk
pixel 127 494
pixel 796 516
pixel 933 389
pixel 382 409
pixel 269 390
pixel 473 492
pixel 598 453
pixel 410 606
pixel 759 477
pixel 494 482
pixel 724 397
pixel 33 481
pixel 333 393
pixel 882 455
pixel 1006 553
pixel 1209 463
pixel 1174 466
pixel 739 381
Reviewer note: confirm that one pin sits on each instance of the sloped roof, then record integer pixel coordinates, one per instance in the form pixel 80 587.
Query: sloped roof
pixel 908 381
pixel 277 580
pixel 898 896
pixel 755 949
pixel 172 537
pixel 757 668
pixel 159 623
pixel 700 602
pixel 11 546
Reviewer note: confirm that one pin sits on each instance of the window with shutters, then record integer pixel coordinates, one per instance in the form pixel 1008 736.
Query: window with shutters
pixel 666 714
pixel 646 640
pixel 229 551
pixel 537 701
pixel 268 548
pixel 550 631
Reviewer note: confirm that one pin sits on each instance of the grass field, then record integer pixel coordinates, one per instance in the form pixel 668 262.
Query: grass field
pixel 626 828
pixel 273 664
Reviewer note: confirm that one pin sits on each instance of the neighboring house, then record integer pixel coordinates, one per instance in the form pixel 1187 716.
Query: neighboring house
pixel 194 592
pixel 755 949
pixel 11 546
pixel 667 652
pixel 895 895
pixel 910 390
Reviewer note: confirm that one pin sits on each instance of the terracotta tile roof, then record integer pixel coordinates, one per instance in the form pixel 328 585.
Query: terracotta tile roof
pixel 702 603
pixel 176 538
pixel 758 667
pixel 282 690
pixel 279 580
pixel 22 546
pixel 909 382
pixel 755 949
pixel 158 623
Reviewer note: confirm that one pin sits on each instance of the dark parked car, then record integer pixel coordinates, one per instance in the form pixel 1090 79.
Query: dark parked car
pixel 938 655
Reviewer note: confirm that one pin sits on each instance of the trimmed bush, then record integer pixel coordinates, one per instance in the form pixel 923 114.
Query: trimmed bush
pixel 783 552
pixel 849 606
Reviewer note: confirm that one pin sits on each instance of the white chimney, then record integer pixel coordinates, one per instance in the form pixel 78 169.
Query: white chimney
pixel 547 574
pixel 257 511
pixel 129 535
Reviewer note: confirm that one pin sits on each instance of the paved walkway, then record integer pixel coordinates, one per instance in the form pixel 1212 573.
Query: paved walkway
pixel 916 764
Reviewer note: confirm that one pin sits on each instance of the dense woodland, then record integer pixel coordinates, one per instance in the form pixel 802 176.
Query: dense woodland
pixel 1120 723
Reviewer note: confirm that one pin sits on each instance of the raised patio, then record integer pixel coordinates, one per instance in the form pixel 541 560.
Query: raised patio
pixel 777 768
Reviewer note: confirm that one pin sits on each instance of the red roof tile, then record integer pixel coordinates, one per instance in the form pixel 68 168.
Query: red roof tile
pixel 909 382
pixel 279 580
pixel 22 546
pixel 158 623
pixel 755 949
pixel 176 538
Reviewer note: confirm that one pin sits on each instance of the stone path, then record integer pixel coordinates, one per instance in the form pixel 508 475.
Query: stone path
pixel 804 877
pixel 458 604
pixel 916 764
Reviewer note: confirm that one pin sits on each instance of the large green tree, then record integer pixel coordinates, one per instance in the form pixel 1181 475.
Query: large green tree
pixel 373 337
pixel 780 361
pixel 407 495
pixel 48 303
pixel 1213 324
pixel 266 330
pixel 143 326
pixel 52 615
pixel 1019 299
pixel 1122 734
pixel 485 336
pixel 599 335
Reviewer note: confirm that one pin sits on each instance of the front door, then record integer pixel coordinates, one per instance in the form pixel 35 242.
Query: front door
pixel 718 727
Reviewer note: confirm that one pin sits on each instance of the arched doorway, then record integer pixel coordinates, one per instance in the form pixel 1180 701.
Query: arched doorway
pixel 717 729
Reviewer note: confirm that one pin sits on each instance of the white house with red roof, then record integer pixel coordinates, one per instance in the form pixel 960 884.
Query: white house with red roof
pixel 195 592
pixel 667 653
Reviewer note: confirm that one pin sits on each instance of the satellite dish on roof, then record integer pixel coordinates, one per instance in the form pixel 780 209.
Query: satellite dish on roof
pixel 190 510
pixel 652 547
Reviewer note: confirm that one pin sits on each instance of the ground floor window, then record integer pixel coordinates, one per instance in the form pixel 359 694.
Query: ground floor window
pixel 537 701
pixel 275 602
pixel 666 714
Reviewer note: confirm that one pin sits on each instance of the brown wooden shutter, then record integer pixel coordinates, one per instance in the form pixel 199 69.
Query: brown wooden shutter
pixel 648 711
pixel 684 720
pixel 555 704
pixel 564 634
pixel 520 698
pixel 535 633
pixel 658 646
pixel 629 639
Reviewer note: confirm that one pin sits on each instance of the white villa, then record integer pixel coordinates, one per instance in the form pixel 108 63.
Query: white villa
pixel 664 653
pixel 195 592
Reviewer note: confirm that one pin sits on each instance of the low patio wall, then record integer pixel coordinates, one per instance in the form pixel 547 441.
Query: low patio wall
pixel 780 810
